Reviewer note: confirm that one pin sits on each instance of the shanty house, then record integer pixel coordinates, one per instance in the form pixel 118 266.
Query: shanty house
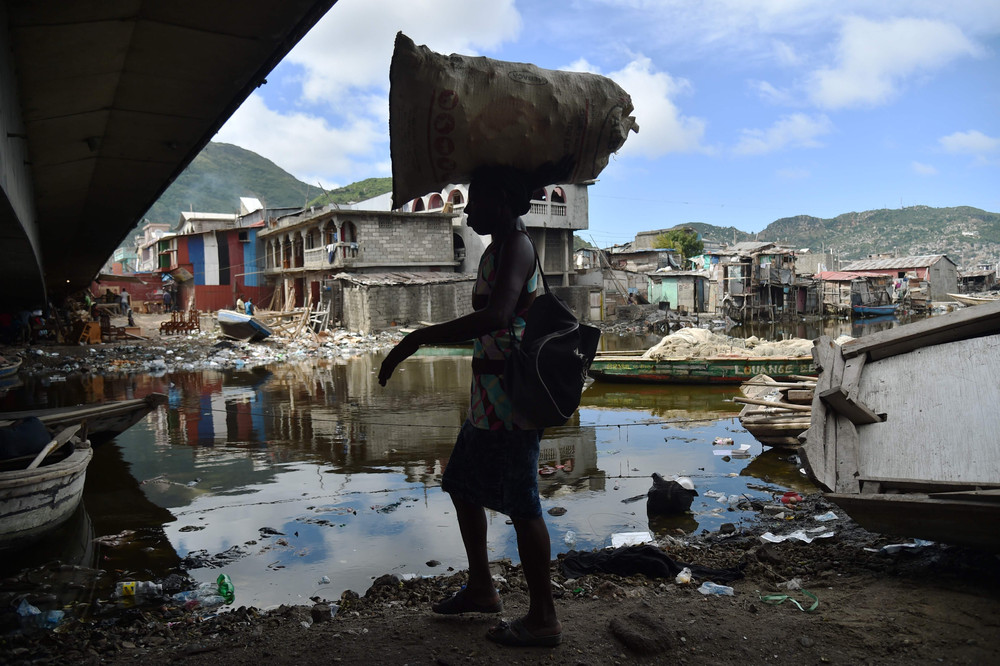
pixel 757 281
pixel 685 291
pixel 934 275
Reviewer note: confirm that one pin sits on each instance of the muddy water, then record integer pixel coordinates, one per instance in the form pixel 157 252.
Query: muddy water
pixel 296 475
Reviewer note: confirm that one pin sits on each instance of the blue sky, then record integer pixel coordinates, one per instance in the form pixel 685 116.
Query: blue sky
pixel 749 110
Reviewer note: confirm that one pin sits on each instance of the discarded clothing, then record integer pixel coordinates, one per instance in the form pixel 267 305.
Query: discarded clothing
pixel 646 559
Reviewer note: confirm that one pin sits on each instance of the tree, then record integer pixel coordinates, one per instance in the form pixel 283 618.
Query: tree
pixel 685 241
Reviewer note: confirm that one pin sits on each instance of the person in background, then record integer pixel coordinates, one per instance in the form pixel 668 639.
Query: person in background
pixel 249 307
pixel 167 301
pixel 494 464
pixel 240 307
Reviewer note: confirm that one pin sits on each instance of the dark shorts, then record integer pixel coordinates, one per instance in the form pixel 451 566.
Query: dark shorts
pixel 496 469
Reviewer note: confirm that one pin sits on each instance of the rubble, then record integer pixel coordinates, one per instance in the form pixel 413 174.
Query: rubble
pixel 199 350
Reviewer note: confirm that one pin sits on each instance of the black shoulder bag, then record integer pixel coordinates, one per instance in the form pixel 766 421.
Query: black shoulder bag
pixel 546 371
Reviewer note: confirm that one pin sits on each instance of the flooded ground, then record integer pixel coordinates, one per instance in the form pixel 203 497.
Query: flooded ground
pixel 306 479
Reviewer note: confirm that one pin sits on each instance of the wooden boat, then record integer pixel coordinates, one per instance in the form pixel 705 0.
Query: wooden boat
pixel 874 310
pixel 240 326
pixel 904 428
pixel 776 413
pixel 104 420
pixel 9 366
pixel 40 497
pixel 630 367
pixel 972 300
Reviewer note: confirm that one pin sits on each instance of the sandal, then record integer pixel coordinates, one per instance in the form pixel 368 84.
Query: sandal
pixel 515 634
pixel 459 603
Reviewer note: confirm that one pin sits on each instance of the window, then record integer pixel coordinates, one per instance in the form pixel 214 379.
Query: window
pixel 558 195
pixel 539 195
pixel 435 202
pixel 418 205
pixel 243 236
pixel 456 198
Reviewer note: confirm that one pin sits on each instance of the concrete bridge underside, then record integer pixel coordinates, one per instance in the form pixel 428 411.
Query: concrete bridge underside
pixel 102 106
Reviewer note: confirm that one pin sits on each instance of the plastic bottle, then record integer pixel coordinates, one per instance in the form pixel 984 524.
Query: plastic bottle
pixel 205 595
pixel 130 589
pixel 709 587
pixel 208 595
pixel 570 539
pixel 225 587
pixel 684 577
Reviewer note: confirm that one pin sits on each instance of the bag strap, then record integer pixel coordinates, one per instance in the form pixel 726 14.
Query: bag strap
pixel 545 281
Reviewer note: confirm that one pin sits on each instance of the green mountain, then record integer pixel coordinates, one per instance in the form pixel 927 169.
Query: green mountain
pixel 969 236
pixel 221 174
pixel 362 190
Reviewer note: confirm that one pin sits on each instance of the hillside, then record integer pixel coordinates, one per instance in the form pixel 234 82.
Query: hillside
pixel 221 174
pixel 968 236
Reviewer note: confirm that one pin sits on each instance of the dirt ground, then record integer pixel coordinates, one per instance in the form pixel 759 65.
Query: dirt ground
pixel 935 604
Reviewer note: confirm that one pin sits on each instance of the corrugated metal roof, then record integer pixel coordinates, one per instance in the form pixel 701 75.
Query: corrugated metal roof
pixel 837 276
pixel 894 263
pixel 403 278
pixel 666 272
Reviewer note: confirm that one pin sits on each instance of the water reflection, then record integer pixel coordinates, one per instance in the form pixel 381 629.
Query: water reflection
pixel 288 475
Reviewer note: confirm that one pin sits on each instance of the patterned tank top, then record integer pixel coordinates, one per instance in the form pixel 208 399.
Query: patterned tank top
pixel 489 407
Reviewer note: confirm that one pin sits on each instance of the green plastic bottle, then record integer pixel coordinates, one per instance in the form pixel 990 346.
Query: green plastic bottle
pixel 226 589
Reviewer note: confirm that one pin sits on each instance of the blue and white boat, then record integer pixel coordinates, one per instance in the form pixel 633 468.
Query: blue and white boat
pixel 241 326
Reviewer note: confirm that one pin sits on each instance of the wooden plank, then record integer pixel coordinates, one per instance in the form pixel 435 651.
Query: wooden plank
pixel 847 457
pixel 60 439
pixel 778 405
pixel 857 412
pixel 800 396
pixel 830 451
pixel 959 325
pixel 852 376
pixel 941 402
pixel 982 495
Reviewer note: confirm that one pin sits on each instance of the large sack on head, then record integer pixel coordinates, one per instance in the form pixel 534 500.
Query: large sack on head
pixel 451 114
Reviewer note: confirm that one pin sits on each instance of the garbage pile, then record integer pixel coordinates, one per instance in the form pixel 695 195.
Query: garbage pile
pixel 200 350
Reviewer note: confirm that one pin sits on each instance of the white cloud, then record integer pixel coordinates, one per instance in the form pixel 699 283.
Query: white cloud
pixel 351 46
pixel 923 169
pixel 875 59
pixel 662 127
pixel 972 142
pixel 305 145
pixel 797 130
pixel 770 94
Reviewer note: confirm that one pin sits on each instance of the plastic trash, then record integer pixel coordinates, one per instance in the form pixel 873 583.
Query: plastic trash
pixel 226 589
pixel 709 587
pixel 30 616
pixel 824 517
pixel 132 589
pixel 684 577
pixel 569 539
pixel 208 595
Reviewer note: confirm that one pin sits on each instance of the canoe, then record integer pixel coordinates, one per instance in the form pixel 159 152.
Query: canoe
pixel 240 326
pixel 9 367
pixel 780 421
pixel 903 433
pixel 632 369
pixel 35 501
pixel 972 300
pixel 874 310
pixel 104 421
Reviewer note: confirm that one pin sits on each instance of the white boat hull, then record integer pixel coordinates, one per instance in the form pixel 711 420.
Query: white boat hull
pixel 35 501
